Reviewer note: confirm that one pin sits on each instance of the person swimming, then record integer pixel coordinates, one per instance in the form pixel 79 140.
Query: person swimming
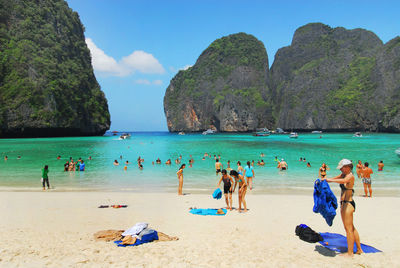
pixel 380 166
pixel 116 162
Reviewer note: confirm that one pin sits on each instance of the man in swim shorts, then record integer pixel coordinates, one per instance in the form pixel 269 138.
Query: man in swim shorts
pixel 218 166
pixel 366 175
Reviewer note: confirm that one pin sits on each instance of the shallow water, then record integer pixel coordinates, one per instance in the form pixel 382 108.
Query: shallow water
pixel 101 174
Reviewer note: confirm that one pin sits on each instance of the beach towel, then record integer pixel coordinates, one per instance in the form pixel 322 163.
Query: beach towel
pixel 338 243
pixel 207 211
pixel 146 238
pixel 217 194
pixel 325 201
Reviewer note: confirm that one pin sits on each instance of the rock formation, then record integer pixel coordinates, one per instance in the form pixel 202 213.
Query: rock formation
pixel 331 79
pixel 47 85
pixel 225 90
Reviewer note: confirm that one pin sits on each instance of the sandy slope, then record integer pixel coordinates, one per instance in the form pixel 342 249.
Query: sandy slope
pixel 55 229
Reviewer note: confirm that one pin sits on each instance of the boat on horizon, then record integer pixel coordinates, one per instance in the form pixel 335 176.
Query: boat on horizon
pixel 316 132
pixel 181 133
pixel 209 131
pixel 397 152
pixel 357 135
pixel 261 132
pixel 125 136
pixel 293 135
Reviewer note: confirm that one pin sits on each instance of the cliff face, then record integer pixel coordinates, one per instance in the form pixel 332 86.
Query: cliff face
pixel 225 90
pixel 332 79
pixel 327 79
pixel 47 85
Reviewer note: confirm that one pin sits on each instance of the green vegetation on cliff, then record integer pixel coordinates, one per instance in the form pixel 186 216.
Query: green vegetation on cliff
pixel 46 77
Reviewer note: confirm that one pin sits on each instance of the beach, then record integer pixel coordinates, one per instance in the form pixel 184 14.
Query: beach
pixel 55 229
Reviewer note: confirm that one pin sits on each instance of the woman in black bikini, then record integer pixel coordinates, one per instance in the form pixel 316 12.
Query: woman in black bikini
pixel 347 204
pixel 242 189
pixel 322 170
pixel 228 184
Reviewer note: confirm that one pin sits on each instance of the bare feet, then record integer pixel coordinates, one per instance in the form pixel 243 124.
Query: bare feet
pixel 347 254
pixel 359 252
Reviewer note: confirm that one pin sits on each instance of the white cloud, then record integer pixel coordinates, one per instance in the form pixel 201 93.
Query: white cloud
pixel 157 82
pixel 137 61
pixel 148 83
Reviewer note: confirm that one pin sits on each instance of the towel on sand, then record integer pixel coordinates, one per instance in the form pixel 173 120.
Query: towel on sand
pixel 136 229
pixel 207 211
pixel 338 243
pixel 150 236
pixel 108 235
pixel 217 194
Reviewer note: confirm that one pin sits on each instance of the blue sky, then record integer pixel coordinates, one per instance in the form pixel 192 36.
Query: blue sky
pixel 138 46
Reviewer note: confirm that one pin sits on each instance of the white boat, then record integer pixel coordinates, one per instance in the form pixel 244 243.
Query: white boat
pixel 316 132
pixel 397 152
pixel 125 136
pixel 294 135
pixel 261 132
pixel 357 135
pixel 181 133
pixel 280 131
pixel 209 131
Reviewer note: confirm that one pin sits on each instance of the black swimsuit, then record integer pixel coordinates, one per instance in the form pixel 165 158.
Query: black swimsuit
pixel 227 185
pixel 346 201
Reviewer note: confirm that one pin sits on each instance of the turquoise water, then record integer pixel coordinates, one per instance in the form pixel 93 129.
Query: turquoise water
pixel 101 174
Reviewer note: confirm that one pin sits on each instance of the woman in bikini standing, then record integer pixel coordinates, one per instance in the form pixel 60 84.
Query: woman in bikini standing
pixel 347 204
pixel 359 169
pixel 242 189
pixel 322 170
pixel 180 178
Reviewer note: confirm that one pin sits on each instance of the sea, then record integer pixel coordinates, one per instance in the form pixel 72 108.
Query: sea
pixel 26 158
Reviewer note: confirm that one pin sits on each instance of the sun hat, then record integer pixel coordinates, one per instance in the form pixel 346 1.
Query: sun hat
pixel 344 162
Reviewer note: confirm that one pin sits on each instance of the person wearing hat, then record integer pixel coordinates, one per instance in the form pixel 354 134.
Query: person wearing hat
pixel 283 165
pixel 347 204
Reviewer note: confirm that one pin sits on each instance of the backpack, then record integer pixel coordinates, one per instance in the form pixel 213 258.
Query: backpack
pixel 307 234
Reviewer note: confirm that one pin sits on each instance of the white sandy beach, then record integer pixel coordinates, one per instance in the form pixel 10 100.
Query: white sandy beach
pixel 55 229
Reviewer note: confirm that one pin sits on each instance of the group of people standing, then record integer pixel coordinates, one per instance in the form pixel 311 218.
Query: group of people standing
pixel 71 165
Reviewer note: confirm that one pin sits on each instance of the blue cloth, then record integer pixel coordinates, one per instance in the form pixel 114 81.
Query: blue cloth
pixel 145 239
pixel 82 167
pixel 338 243
pixel 207 211
pixel 325 201
pixel 248 171
pixel 217 194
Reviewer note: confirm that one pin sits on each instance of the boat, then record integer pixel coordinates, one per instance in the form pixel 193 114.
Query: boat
pixel 209 131
pixel 294 135
pixel 397 152
pixel 114 133
pixel 181 133
pixel 357 135
pixel 260 132
pixel 125 136
pixel 316 132
pixel 280 131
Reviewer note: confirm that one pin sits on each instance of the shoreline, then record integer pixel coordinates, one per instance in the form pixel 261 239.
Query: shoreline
pixel 56 229
pixel 291 191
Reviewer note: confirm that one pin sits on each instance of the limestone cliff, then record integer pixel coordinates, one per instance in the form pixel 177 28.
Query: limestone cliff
pixel 226 89
pixel 47 85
